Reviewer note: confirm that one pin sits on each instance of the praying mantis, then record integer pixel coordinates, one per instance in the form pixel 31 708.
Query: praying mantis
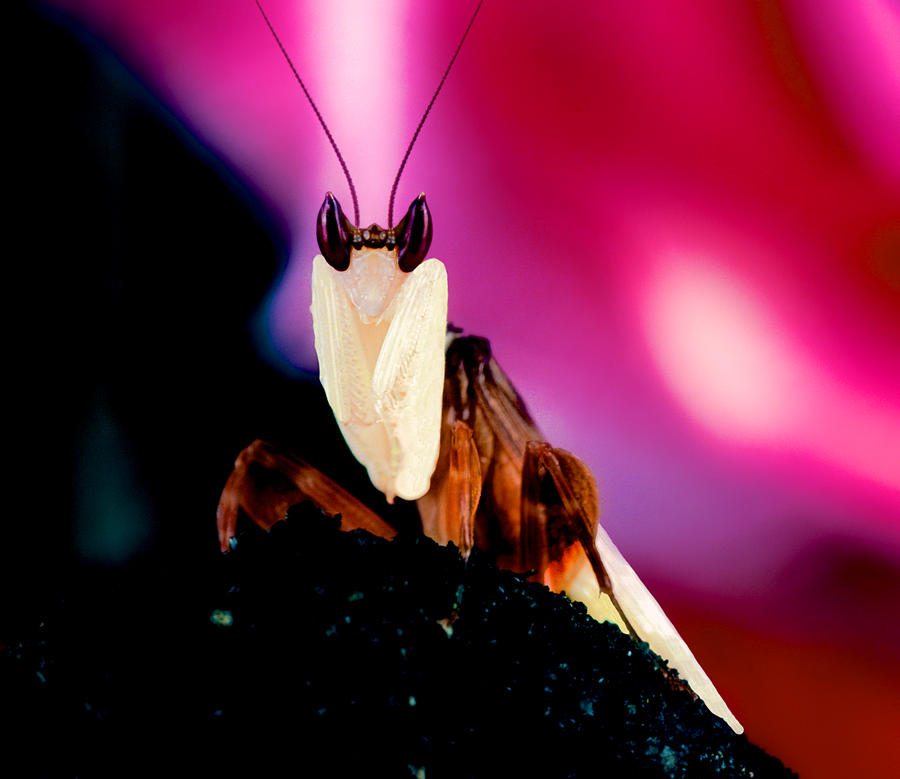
pixel 433 418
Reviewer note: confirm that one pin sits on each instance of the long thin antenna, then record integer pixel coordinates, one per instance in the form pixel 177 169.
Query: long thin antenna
pixel 425 115
pixel 319 115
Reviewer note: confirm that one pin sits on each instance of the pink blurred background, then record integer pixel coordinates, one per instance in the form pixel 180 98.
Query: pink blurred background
pixel 679 224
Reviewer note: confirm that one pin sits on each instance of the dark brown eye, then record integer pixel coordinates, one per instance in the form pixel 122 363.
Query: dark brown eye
pixel 414 235
pixel 335 234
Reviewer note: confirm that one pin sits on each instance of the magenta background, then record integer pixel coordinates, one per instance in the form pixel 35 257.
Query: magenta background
pixel 679 224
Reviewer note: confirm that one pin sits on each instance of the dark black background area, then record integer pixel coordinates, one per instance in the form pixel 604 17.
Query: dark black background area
pixel 135 265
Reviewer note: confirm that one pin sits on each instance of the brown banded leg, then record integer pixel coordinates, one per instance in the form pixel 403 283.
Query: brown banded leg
pixel 267 481
pixel 560 511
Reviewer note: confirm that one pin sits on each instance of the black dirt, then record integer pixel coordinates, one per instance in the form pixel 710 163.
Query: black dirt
pixel 326 653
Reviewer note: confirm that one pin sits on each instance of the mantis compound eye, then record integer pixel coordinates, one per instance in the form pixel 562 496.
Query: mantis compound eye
pixel 335 234
pixel 413 235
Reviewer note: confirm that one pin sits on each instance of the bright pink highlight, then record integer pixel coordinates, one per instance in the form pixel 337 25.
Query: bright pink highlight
pixel 728 361
pixel 719 353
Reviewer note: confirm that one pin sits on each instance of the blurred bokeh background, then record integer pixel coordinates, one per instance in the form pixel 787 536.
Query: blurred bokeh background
pixel 678 222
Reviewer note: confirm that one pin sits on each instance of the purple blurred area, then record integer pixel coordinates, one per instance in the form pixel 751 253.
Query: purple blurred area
pixel 679 225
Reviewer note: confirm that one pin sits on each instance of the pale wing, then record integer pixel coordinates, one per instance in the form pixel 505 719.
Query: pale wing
pixel 345 371
pixel 408 379
pixel 653 626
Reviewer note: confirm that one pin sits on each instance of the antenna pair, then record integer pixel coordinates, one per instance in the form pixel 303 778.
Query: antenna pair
pixel 328 132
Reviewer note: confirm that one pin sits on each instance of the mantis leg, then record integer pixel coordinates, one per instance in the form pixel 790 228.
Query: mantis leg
pixel 564 539
pixel 448 510
pixel 560 511
pixel 267 481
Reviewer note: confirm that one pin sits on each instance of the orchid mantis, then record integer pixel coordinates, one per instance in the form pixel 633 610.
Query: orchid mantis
pixel 433 418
